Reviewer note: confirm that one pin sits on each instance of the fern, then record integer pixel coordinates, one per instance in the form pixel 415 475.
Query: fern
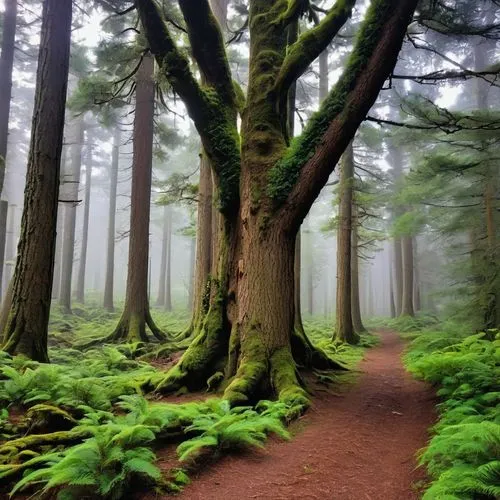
pixel 463 455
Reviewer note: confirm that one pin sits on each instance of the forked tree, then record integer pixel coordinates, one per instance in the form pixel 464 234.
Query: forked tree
pixel 26 330
pixel 265 184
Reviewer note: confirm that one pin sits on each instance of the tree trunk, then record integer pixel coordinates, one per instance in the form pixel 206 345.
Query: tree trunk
pixel 164 285
pixel 80 283
pixel 168 277
pixel 417 305
pixel 357 322
pixel 204 231
pixel 6 65
pixel 26 330
pixel 110 252
pixel 69 190
pixel 136 314
pixel 10 247
pixel 391 290
pixel 160 301
pixel 56 286
pixel 407 251
pixel 192 263
pixel 344 330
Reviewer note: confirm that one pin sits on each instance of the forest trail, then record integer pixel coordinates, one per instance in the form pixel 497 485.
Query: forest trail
pixel 358 445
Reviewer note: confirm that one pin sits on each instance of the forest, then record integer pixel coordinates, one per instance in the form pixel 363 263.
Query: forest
pixel 250 249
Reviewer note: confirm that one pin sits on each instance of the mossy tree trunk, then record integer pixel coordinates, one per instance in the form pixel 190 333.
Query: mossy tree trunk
pixel 265 187
pixel 136 314
pixel 26 330
pixel 110 251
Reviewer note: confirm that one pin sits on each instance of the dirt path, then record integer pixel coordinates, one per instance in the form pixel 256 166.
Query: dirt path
pixel 359 445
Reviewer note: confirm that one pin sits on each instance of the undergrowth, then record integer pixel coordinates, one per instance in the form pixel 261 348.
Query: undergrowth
pixel 84 426
pixel 463 457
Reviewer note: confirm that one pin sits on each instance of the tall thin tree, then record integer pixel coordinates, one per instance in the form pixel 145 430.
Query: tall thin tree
pixel 26 330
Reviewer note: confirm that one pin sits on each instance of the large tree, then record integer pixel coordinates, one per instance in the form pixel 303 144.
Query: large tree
pixel 265 186
pixel 136 314
pixel 26 330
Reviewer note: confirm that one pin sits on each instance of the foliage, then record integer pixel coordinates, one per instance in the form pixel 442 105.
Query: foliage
pixel 462 457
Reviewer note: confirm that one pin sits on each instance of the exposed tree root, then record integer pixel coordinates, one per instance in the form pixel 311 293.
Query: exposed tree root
pixel 310 357
pixel 12 448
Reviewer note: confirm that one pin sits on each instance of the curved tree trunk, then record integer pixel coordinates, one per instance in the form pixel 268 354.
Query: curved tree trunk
pixel 407 251
pixel 344 329
pixel 136 314
pixel 69 191
pixel 82 265
pixel 26 330
pixel 110 252
pixel 357 323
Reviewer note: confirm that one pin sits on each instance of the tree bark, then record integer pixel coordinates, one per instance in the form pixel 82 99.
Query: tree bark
pixel 69 191
pixel 110 252
pixel 407 251
pixel 26 330
pixel 136 314
pixel 357 322
pixel 344 329
pixel 82 265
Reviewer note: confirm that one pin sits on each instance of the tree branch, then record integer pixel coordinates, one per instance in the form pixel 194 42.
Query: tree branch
pixel 169 57
pixel 207 44
pixel 309 46
pixel 309 162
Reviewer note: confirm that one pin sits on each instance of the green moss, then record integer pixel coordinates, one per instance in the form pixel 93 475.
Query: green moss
pixel 222 145
pixel 283 176
pixel 202 357
pixel 286 383
pixel 252 370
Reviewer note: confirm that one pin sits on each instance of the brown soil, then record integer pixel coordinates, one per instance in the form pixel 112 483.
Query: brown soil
pixel 353 446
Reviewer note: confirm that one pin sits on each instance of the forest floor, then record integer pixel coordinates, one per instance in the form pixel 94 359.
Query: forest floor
pixel 359 444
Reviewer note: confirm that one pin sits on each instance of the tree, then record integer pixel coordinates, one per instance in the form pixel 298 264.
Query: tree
pixel 80 283
pixel 26 330
pixel 164 286
pixel 69 192
pixel 344 329
pixel 136 314
pixel 6 65
pixel 110 252
pixel 266 187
